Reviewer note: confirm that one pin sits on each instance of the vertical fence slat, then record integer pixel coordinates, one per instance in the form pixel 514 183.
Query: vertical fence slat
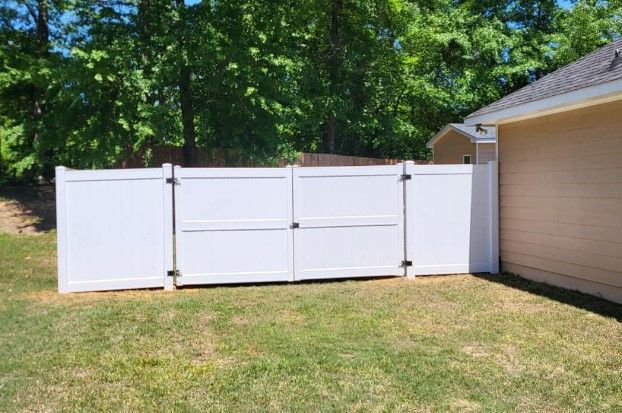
pixel 61 230
pixel 493 170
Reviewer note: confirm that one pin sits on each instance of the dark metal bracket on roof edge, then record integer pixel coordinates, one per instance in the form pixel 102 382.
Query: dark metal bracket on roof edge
pixel 617 59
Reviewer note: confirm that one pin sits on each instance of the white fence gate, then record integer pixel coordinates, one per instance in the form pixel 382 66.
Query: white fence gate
pixel 233 225
pixel 452 221
pixel 349 222
pixel 116 228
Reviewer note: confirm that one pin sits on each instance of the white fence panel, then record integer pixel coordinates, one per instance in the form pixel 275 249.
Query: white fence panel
pixel 233 225
pixel 114 229
pixel 451 213
pixel 350 222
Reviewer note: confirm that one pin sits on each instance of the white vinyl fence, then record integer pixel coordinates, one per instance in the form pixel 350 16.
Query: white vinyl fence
pixel 114 229
pixel 452 221
pixel 156 228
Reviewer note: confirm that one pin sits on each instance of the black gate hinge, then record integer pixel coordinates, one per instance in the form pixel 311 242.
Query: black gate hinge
pixel 294 225
pixel 173 273
pixel 406 263
pixel 173 181
pixel 405 177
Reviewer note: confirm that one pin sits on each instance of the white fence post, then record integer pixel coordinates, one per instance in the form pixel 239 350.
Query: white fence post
pixel 167 173
pixel 408 270
pixel 493 169
pixel 61 231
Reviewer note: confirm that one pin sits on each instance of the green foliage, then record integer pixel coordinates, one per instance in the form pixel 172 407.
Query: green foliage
pixel 86 83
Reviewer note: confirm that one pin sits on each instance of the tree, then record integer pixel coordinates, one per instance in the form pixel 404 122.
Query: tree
pixel 87 84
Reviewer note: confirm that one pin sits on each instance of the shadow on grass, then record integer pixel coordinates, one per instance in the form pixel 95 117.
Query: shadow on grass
pixel 573 298
pixel 27 208
pixel 275 283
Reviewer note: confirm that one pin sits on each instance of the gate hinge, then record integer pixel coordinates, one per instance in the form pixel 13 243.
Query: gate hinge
pixel 405 177
pixel 173 181
pixel 406 263
pixel 173 273
pixel 294 225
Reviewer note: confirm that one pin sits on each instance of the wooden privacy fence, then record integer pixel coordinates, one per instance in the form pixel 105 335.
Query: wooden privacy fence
pixel 245 225
pixel 218 157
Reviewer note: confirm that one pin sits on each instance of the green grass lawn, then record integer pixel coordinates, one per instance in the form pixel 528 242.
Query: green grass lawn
pixel 455 343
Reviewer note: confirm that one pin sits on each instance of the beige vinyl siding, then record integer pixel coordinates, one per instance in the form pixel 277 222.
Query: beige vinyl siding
pixel 486 152
pixel 560 190
pixel 451 147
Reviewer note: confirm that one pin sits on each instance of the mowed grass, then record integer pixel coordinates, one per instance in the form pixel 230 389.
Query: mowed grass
pixel 455 343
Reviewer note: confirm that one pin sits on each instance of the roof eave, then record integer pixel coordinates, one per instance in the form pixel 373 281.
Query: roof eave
pixel 447 128
pixel 601 93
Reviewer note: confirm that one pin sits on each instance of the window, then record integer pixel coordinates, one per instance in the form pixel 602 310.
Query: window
pixel 466 159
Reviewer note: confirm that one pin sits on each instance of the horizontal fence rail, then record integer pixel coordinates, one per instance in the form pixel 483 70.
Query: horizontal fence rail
pixel 161 227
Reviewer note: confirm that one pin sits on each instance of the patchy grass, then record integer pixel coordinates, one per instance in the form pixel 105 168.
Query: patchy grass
pixel 457 343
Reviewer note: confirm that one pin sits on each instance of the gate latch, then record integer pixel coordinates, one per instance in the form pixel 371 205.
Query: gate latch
pixel 173 181
pixel 294 225
pixel 406 263
pixel 173 273
pixel 405 177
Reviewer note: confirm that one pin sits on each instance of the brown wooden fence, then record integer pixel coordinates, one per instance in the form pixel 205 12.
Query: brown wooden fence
pixel 216 158
pixel 326 159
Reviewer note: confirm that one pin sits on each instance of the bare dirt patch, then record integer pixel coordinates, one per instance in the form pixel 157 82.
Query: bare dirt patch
pixel 27 209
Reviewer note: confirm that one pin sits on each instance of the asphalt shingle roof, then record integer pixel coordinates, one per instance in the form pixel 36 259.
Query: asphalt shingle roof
pixel 489 135
pixel 591 70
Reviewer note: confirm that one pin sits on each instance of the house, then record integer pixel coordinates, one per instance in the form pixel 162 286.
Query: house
pixel 559 143
pixel 458 143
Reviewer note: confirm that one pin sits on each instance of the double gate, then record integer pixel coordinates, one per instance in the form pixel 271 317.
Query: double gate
pixel 153 228
pixel 287 224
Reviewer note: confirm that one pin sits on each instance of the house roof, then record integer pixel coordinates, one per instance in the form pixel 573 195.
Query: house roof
pixel 488 135
pixel 597 68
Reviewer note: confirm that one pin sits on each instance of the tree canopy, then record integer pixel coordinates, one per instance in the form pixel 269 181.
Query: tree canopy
pixel 86 83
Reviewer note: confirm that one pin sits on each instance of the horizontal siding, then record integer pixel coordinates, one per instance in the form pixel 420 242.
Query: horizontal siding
pixel 451 147
pixel 560 190
pixel 580 162
pixel 585 218
pixel 580 245
pixel 606 234
pixel 486 152
pixel 582 190
pixel 587 259
pixel 552 152
pixel 565 268
pixel 574 176
pixel 595 205
pixel 603 290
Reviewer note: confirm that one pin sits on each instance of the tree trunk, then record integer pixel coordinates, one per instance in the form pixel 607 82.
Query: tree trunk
pixel 335 64
pixel 43 45
pixel 330 133
pixel 185 91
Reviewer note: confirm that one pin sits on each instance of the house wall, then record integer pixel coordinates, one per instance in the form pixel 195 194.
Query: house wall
pixel 486 152
pixel 450 148
pixel 561 199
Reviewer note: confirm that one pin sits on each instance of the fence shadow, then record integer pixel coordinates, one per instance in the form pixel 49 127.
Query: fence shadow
pixel 574 298
pixel 299 282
